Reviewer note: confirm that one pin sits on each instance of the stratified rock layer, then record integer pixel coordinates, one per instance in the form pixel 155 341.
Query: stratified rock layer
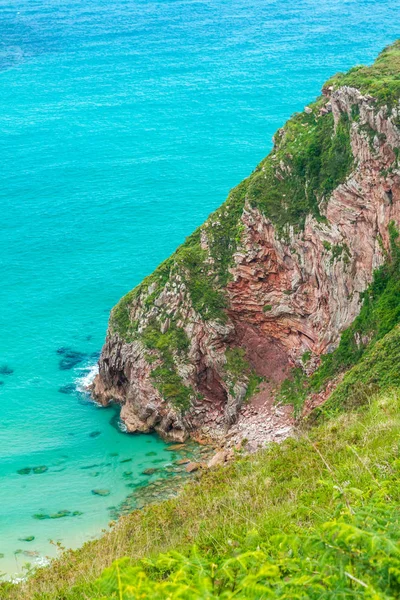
pixel 291 290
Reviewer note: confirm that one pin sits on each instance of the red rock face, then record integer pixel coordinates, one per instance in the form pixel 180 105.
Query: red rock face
pixel 286 297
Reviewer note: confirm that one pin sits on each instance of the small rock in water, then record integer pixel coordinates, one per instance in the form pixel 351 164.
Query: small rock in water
pixel 152 453
pixel 175 447
pixel 29 538
pixel 6 370
pixel 127 473
pixel 101 492
pixel 58 515
pixel 150 471
pixel 182 461
pixel 94 434
pixel 69 388
pixel 41 469
pixel 1 555
pixel 114 454
pixel 70 358
pixel 24 471
pixel 125 460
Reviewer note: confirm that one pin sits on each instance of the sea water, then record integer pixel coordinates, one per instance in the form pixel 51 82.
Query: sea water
pixel 123 123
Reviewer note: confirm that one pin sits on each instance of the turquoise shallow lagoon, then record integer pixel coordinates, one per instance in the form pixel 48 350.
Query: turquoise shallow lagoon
pixel 123 124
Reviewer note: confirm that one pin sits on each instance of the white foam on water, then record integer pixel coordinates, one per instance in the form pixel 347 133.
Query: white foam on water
pixel 84 382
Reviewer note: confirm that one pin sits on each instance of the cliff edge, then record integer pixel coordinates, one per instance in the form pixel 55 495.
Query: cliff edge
pixel 271 279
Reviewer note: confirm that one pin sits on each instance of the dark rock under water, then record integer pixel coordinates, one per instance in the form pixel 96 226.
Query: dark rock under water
pixel 70 358
pixel 6 370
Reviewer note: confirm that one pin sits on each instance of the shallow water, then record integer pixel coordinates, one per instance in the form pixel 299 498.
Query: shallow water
pixel 123 124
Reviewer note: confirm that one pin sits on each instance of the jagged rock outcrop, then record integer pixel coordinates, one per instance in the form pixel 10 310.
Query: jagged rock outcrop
pixel 276 272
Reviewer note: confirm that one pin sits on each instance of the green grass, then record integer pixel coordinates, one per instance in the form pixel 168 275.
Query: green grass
pixel 316 160
pixel 314 517
pixel 381 80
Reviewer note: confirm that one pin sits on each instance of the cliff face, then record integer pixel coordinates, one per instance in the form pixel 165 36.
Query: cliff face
pixel 276 272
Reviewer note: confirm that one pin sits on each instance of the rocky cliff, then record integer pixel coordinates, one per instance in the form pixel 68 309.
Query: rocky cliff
pixel 273 276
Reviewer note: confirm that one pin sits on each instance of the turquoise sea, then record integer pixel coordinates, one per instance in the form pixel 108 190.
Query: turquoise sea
pixel 123 123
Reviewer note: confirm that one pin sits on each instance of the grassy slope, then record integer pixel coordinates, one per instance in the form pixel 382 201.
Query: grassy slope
pixel 308 511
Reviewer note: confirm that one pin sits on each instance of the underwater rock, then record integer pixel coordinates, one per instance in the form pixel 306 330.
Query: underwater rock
pixel 125 460
pixel 58 515
pixel 41 469
pixel 69 388
pixel 94 473
pixel 101 492
pixel 70 358
pixel 150 471
pixel 24 471
pixel 30 553
pixel 6 370
pixel 29 538
pixel 175 447
pixel 127 474
pixel 114 454
pixel 1 382
pixel 94 434
pixel 152 453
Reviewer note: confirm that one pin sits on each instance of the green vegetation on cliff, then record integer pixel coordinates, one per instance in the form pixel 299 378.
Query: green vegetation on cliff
pixel 309 161
pixel 379 315
pixel 381 80
pixel 237 366
pixel 165 376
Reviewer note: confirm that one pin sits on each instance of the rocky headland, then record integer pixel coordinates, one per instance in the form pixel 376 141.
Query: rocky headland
pixel 270 281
